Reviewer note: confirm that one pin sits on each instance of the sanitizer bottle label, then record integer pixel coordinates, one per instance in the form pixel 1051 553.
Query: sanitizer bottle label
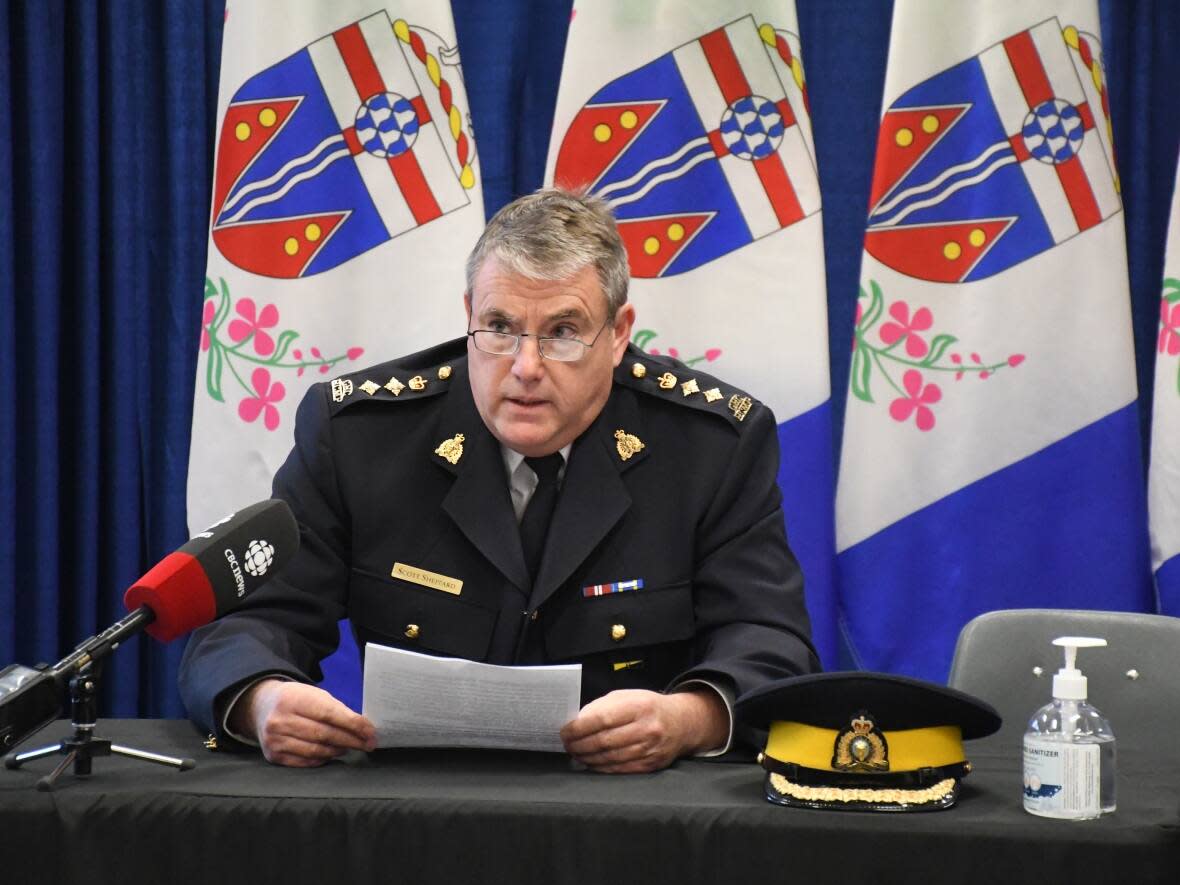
pixel 1061 779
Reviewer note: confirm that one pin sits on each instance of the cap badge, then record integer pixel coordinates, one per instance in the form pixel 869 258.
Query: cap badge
pixel 861 746
pixel 667 381
pixel 341 387
pixel 451 449
pixel 627 444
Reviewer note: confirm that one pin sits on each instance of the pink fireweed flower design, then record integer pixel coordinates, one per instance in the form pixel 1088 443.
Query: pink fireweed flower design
pixel 644 337
pixel 263 404
pixel 1169 342
pixel 908 327
pixel 926 352
pixel 239 330
pixel 917 401
pixel 207 315
pixel 226 328
pixel 711 354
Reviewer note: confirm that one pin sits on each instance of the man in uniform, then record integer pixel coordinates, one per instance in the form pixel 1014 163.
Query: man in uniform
pixel 537 492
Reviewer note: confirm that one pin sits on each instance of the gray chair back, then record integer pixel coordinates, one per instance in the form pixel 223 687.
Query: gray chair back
pixel 1007 658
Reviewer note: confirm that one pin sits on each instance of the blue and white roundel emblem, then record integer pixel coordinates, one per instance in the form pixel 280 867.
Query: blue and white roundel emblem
pixel 752 127
pixel 1053 131
pixel 386 125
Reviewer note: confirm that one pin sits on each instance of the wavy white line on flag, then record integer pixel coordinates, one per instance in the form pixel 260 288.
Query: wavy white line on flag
pixel 287 167
pixel 888 206
pixel 282 192
pixel 660 179
pixel 610 189
pixel 946 194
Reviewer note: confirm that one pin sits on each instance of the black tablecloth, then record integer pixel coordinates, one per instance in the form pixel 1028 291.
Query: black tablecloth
pixel 462 816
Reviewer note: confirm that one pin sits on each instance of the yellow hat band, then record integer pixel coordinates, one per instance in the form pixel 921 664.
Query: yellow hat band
pixel 909 749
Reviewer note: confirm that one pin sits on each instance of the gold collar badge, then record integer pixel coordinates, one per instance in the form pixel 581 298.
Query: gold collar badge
pixel 627 444
pixel 451 449
pixel 861 746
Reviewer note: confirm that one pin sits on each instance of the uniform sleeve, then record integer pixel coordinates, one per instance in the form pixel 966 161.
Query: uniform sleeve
pixel 288 625
pixel 751 622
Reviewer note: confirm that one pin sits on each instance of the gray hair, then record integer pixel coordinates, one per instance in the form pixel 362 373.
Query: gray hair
pixel 552 235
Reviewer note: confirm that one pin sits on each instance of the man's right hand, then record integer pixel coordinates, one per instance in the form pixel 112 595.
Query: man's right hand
pixel 298 724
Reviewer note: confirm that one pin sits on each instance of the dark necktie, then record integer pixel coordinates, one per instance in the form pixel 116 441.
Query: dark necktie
pixel 534 525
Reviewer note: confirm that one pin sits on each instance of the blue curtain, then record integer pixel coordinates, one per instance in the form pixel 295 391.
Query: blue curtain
pixel 106 122
pixel 106 139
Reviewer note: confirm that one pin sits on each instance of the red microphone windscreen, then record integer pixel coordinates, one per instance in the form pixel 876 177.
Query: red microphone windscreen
pixel 178 591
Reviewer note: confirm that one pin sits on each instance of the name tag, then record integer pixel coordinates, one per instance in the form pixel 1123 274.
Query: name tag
pixel 433 580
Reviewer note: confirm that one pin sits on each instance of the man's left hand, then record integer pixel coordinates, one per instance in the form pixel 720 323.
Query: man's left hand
pixel 632 730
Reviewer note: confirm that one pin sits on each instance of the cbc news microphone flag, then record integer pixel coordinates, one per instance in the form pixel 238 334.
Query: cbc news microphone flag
pixel 991 452
pixel 345 183
pixel 691 119
pixel 1163 487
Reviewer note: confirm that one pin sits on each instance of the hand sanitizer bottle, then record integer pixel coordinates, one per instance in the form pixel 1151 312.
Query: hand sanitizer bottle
pixel 1069 758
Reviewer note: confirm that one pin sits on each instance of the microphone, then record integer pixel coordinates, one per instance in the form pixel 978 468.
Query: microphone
pixel 190 587
pixel 215 570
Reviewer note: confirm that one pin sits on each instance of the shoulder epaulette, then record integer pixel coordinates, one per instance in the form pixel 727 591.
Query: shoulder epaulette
pixel 390 382
pixel 672 380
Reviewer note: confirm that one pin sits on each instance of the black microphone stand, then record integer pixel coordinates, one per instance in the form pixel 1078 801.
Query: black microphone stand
pixel 81 747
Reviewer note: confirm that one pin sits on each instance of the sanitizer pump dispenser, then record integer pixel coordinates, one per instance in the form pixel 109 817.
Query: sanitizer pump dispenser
pixel 1069 755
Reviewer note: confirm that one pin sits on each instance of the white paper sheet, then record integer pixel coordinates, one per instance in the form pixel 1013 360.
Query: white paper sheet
pixel 417 700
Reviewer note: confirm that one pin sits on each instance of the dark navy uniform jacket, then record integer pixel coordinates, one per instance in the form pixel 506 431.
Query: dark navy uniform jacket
pixel 694 514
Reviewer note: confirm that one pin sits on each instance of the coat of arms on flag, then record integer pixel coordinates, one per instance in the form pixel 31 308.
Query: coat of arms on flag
pixel 338 148
pixel 700 151
pixel 995 160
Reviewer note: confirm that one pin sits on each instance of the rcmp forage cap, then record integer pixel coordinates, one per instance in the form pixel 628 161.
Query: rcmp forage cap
pixel 865 741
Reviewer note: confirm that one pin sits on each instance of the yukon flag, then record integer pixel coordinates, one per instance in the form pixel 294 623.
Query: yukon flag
pixel 991 455
pixel 1163 488
pixel 345 184
pixel 694 125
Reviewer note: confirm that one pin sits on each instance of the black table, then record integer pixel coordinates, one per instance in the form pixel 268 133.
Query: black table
pixel 460 816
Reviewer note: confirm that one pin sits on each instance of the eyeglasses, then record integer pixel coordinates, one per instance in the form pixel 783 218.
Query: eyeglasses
pixel 563 350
